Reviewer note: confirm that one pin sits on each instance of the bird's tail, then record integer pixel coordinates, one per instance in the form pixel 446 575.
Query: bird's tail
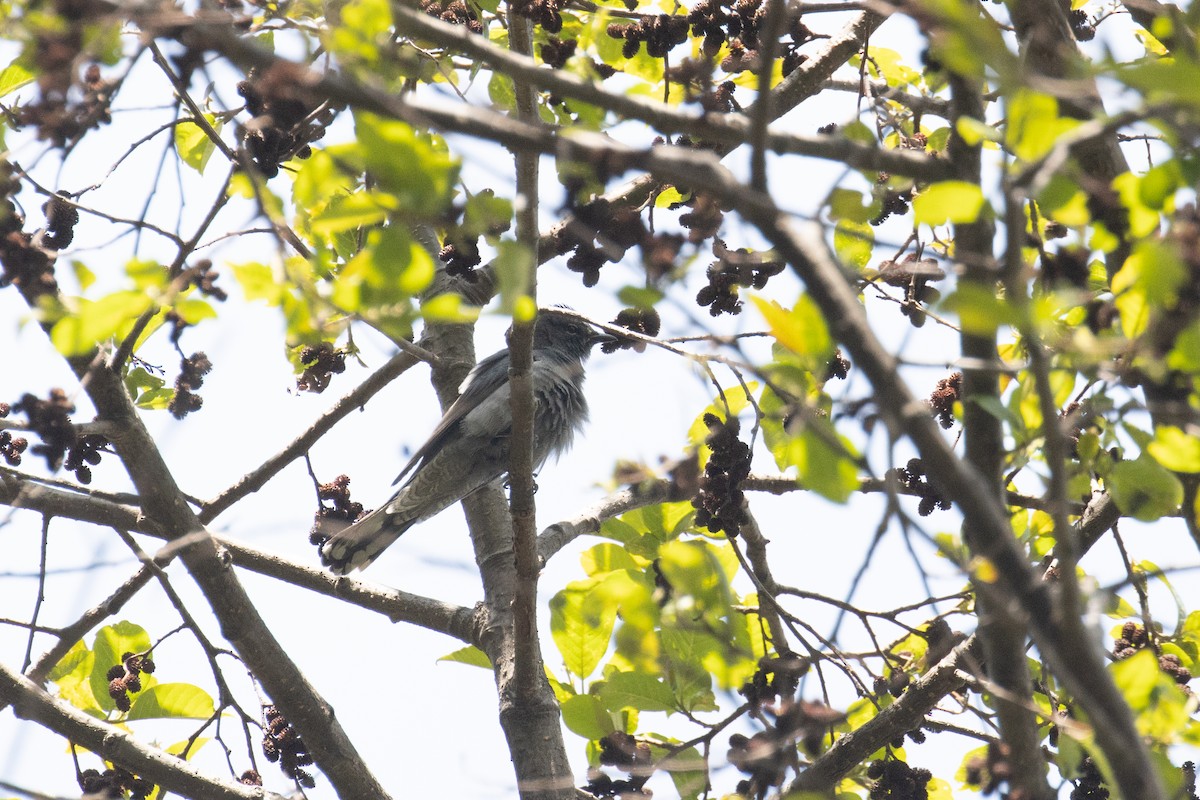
pixel 357 546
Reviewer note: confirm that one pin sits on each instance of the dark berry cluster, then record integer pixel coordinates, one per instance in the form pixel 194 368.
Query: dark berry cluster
pixel 767 755
pixel 896 780
pixel 1090 783
pixel 660 253
pixel 250 778
pixel 989 771
pixel 944 396
pixel 125 678
pixel 24 264
pixel 1101 314
pixel 555 52
pixel 695 75
pixel 61 444
pixel 547 13
pixel 623 751
pixel 456 12
pixel 1105 206
pixel 764 757
pixel 912 478
pixel 321 362
pixel 777 677
pixel 192 370
pixel 940 639
pixel 660 32
pixel 601 785
pixel 1189 781
pixel 204 278
pixel 705 218
pixel 61 219
pixel 734 268
pixel 332 518
pixel 639 320
pixel 720 502
pixel 286 118
pixel 11 447
pixel 894 684
pixel 615 227
pixel 913 274
pixel 1067 265
pixel 282 744
pixel 68 104
pixel 1081 24
pixel 461 256
pixel 1134 637
pixel 894 202
pixel 114 783
pixel 839 366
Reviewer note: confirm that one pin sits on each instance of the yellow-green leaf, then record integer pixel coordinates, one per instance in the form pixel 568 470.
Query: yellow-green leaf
pixel 193 143
pixel 171 701
pixel 1144 489
pixel 948 201
pixel 1175 450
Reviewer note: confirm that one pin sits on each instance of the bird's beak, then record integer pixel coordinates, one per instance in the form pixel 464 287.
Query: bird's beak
pixel 600 338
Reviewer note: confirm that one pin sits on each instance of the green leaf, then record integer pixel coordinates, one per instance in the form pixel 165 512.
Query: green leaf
pixel 514 263
pixel 581 624
pixel 847 204
pixel 172 701
pixel 636 690
pixel 487 215
pixel 801 330
pixel 685 652
pixel 585 715
pixel 1157 701
pixel 1144 489
pixel 972 131
pixel 193 144
pixel 948 201
pixel 1034 124
pixel 823 467
pixel 406 164
pixel 502 92
pixel 349 212
pixel 194 310
pixel 1175 450
pixel 470 655
pixel 385 274
pixel 854 242
pixel 98 321
pixel 1149 279
pixel 258 282
pixel 640 296
pixel 448 308
pixel 13 77
pixel 607 557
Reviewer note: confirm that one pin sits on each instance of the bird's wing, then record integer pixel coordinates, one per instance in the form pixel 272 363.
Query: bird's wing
pixel 488 379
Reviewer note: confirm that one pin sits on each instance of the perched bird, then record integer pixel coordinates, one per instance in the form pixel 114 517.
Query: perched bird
pixel 469 447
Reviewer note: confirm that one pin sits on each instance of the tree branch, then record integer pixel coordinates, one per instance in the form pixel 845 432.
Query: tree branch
pixel 31 702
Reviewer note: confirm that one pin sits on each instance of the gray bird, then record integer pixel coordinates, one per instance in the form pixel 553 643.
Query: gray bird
pixel 469 447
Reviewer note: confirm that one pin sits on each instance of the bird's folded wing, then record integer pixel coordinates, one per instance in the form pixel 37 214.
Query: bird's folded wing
pixel 485 380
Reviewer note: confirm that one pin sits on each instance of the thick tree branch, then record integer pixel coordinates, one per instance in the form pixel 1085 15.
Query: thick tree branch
pixel 902 716
pixel 1002 629
pixel 172 773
